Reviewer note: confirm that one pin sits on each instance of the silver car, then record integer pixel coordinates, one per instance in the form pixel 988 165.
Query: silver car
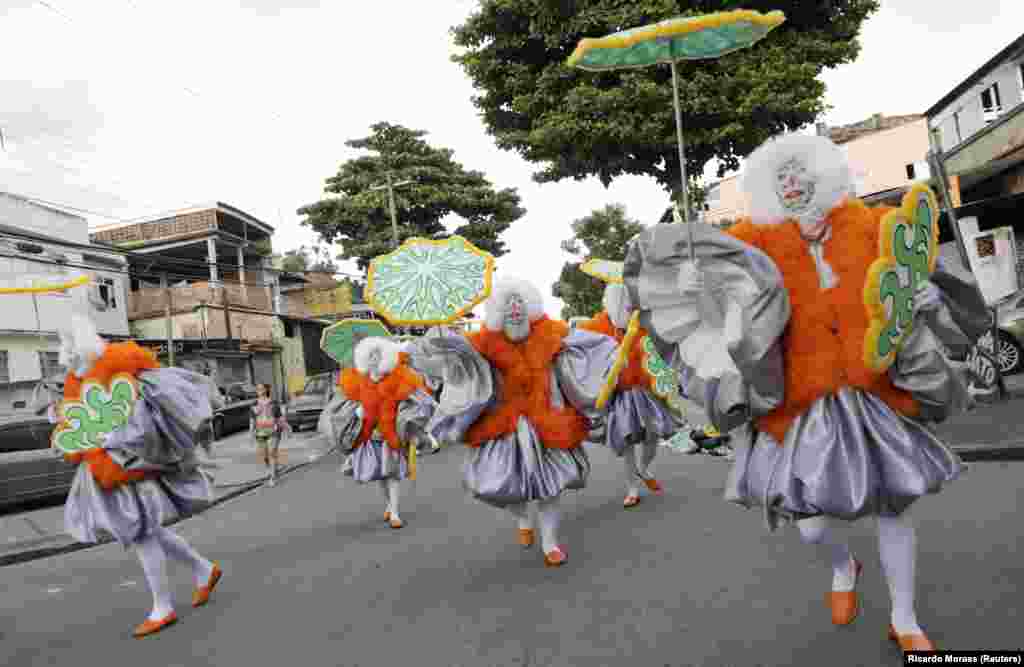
pixel 1011 336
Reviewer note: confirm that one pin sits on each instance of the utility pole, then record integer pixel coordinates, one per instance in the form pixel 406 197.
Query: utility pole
pixel 168 318
pixel 391 202
pixel 938 164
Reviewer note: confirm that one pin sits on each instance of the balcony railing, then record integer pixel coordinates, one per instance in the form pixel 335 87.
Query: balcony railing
pixel 151 301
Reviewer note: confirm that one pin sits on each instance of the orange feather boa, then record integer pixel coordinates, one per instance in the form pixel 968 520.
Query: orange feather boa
pixel 128 357
pixel 380 399
pixel 824 341
pixel 634 374
pixel 526 387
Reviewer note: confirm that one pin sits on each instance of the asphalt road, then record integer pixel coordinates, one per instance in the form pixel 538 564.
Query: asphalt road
pixel 313 576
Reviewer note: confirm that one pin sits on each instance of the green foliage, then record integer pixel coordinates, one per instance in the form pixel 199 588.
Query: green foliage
pixel 360 220
pixel 317 259
pixel 579 124
pixel 602 235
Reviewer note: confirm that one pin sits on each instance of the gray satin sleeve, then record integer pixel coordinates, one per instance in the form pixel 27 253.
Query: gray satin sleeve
pixel 414 414
pixel 727 347
pixel 469 383
pixel 343 421
pixel 174 406
pixel 581 367
pixel 931 363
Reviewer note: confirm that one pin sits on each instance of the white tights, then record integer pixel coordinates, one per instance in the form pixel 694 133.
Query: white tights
pixel 547 513
pixel 629 468
pixel 153 552
pixel 896 548
pixel 392 489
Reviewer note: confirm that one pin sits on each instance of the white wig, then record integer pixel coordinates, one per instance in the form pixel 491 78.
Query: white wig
pixel 494 307
pixel 80 344
pixel 618 304
pixel 388 354
pixel 825 162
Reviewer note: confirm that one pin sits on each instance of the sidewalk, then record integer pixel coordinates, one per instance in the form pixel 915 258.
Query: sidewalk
pixel 236 470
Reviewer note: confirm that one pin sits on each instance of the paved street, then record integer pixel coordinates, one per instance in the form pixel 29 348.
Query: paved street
pixel 315 577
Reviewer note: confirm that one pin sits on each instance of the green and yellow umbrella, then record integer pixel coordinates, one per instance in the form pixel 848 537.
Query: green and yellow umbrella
pixel 665 43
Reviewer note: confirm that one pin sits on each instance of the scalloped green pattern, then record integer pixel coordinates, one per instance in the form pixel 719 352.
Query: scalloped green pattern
pixel 88 422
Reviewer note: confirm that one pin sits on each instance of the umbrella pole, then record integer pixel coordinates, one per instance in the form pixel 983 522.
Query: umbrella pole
pixel 682 158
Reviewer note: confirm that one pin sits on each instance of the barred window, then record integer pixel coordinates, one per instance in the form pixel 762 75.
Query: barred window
pixel 5 373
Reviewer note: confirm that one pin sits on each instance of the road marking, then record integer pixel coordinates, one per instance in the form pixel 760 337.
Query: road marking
pixel 127 583
pixel 53 590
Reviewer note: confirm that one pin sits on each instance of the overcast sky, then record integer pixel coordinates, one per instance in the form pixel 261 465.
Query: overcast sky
pixel 132 107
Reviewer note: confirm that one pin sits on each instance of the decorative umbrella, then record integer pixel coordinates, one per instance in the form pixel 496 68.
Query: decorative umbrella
pixel 691 38
pixel 426 282
pixel 603 269
pixel 339 340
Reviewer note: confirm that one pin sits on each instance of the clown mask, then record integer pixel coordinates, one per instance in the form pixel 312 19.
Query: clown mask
pixel 373 365
pixel 517 322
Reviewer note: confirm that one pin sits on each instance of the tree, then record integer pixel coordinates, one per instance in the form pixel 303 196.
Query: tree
pixel 360 218
pixel 603 235
pixel 579 124
pixel 317 259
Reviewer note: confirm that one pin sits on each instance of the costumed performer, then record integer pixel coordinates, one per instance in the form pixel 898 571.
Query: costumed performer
pixel 379 415
pixel 636 417
pixel 520 393
pixel 831 438
pixel 145 473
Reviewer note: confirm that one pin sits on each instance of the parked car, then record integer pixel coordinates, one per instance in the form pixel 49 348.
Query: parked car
pixel 1010 353
pixel 304 410
pixel 240 391
pixel 30 469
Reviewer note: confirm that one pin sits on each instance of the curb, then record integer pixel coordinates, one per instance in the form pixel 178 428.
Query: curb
pixel 1005 452
pixel 69 545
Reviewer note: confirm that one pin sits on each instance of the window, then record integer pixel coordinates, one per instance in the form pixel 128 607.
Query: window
pixel 910 172
pixel 5 373
pixel 1020 75
pixel 991 103
pixel 956 127
pixel 49 364
pixel 289 329
pixel 108 292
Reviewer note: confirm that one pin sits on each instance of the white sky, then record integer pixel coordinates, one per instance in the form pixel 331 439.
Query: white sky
pixel 131 107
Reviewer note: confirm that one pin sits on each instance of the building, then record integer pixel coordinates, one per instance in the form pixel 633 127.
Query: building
pixel 42 244
pixel 887 153
pixel 980 126
pixel 220 289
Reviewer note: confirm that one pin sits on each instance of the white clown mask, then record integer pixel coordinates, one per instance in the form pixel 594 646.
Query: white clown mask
pixel 517 319
pixel 80 345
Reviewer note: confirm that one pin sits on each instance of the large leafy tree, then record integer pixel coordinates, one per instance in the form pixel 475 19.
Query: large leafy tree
pixel 579 124
pixel 316 258
pixel 359 218
pixel 603 235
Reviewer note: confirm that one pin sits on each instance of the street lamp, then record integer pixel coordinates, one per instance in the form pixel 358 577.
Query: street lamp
pixel 391 202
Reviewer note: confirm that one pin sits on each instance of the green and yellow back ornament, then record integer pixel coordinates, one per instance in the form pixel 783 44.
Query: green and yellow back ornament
pixel 908 249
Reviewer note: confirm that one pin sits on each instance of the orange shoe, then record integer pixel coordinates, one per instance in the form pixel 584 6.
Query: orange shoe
pixel 631 501
pixel 387 515
pixel 556 557
pixel 396 523
pixel 653 485
pixel 845 605
pixel 149 627
pixel 202 594
pixel 526 537
pixel 911 642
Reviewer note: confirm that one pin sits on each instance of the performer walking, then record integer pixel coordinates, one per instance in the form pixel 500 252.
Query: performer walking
pixel 146 472
pixel 520 393
pixel 832 438
pixel 637 418
pixel 381 412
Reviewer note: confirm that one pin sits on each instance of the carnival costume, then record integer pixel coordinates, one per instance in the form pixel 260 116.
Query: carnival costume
pixel 381 410
pixel 830 437
pixel 145 473
pixel 635 416
pixel 520 393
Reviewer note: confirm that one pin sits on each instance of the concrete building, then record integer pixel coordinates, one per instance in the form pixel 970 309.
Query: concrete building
pixel 220 284
pixel 44 245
